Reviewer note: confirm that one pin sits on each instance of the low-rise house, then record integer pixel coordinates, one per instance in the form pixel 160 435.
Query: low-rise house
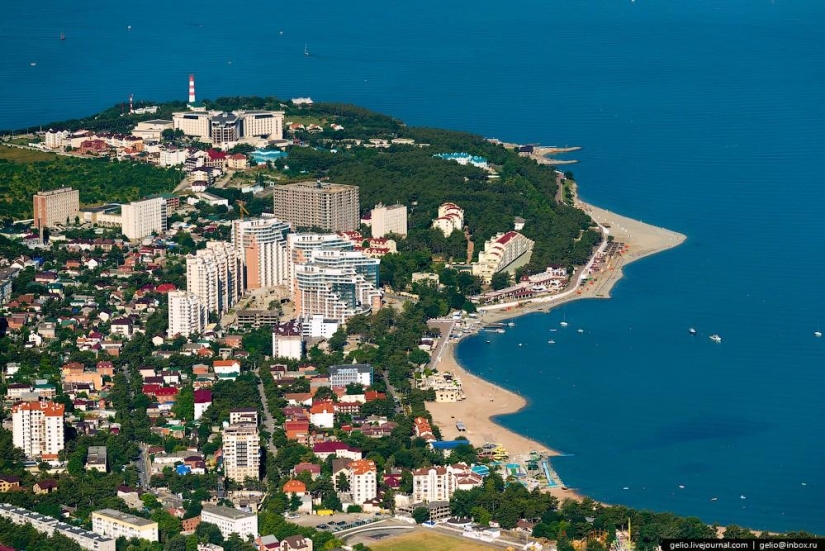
pixel 325 449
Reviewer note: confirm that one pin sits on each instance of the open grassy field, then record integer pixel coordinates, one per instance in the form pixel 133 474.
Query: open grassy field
pixel 431 541
pixel 16 155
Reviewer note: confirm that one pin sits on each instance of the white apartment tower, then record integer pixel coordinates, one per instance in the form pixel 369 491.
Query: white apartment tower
pixel 386 220
pixel 214 275
pixel 187 314
pixel 362 480
pixel 241 452
pixel 262 248
pixel 59 206
pixel 142 218
pixel 38 428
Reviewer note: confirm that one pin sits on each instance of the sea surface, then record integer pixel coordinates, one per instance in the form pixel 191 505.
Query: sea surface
pixel 703 116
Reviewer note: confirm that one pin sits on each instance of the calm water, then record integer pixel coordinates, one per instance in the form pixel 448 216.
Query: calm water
pixel 703 116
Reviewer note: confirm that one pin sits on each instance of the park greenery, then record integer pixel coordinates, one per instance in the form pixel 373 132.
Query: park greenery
pixel 99 180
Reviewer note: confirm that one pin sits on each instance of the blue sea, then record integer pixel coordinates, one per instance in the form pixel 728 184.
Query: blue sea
pixel 703 116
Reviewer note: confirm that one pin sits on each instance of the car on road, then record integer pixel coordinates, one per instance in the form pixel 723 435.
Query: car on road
pixel 322 527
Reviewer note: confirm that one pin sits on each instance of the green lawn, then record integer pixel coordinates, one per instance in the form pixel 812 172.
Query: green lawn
pixel 429 540
pixel 15 155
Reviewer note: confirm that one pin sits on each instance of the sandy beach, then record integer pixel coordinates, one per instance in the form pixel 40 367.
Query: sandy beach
pixel 485 400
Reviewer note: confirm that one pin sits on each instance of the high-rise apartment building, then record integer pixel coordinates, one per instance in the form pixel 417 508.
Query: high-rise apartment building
pixel 59 206
pixel 241 452
pixel 334 293
pixel 214 274
pixel 261 244
pixel 142 218
pixel 333 207
pixel 38 428
pixel 362 480
pixel 386 220
pixel 331 280
pixel 187 314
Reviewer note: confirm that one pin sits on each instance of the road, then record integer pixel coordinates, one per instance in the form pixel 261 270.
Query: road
pixel 446 327
pixel 575 280
pixel 143 466
pixel 267 421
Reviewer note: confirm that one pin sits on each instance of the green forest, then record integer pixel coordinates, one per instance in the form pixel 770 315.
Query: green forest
pixel 99 180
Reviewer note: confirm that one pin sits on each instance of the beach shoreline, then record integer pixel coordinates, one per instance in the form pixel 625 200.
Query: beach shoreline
pixel 484 400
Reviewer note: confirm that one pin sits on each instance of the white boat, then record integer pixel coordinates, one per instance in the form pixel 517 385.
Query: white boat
pixel 692 331
pixel 511 324
pixel 33 64
pixel 563 324
pixel 742 497
pixel 716 338
pixel 499 330
pixel 714 498
pixel 520 344
pixel 306 52
pixel 553 330
pixel 551 342
pixel 817 333
pixel 581 330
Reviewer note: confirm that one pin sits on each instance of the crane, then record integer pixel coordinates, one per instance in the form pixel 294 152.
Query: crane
pixel 242 208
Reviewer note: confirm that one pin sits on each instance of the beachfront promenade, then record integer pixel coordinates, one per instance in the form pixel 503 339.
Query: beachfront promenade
pixel 484 400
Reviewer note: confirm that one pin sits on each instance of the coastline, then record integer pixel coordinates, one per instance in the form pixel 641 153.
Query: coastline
pixel 484 400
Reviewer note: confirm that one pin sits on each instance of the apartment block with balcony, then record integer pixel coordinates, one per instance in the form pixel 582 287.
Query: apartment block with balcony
pixel 325 205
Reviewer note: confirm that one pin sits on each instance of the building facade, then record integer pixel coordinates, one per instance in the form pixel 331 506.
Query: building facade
pixel 59 206
pixel 332 207
pixel 343 375
pixel 214 274
pixel 231 521
pixel 52 526
pixel 140 219
pixel 262 248
pixel 218 127
pixel 241 452
pixel 38 428
pixel 439 483
pixel 333 293
pixel 288 341
pixel 386 220
pixel 362 476
pixel 500 251
pixel 115 524
pixel 450 219
pixel 187 314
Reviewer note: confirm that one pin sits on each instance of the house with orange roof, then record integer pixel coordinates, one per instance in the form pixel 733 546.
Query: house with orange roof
pixel 295 487
pixel 297 431
pixel 322 415
pixel 423 429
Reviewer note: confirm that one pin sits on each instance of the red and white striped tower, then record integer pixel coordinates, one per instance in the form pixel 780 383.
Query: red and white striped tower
pixel 191 88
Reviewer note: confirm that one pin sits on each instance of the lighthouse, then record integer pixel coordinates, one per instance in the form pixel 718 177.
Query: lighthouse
pixel 191 89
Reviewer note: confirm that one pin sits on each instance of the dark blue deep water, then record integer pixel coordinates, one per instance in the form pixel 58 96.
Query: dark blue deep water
pixel 703 116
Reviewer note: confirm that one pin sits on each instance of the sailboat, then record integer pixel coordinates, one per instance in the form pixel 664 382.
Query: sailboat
pixel 563 323
pixel 306 52
pixel 818 332
pixel 62 35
